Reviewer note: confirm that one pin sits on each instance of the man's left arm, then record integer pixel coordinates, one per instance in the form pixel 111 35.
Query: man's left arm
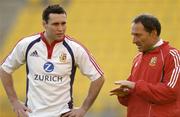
pixel 93 92
pixel 88 67
pixel 163 92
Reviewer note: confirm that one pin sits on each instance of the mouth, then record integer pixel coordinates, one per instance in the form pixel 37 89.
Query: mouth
pixel 60 34
pixel 138 45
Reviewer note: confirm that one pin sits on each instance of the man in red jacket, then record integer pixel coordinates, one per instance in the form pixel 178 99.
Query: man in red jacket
pixel 153 87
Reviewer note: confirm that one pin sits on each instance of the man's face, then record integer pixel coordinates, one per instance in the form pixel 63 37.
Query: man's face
pixel 143 39
pixel 56 26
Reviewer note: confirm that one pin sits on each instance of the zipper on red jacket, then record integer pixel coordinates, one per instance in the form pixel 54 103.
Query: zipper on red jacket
pixel 149 113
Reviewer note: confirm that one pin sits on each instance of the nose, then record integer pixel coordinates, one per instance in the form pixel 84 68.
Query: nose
pixel 60 28
pixel 134 39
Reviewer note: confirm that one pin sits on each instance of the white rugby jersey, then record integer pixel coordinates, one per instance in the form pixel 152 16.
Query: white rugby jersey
pixel 50 72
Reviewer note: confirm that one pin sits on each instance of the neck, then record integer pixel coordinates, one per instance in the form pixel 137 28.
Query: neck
pixel 48 38
pixel 156 44
pixel 158 39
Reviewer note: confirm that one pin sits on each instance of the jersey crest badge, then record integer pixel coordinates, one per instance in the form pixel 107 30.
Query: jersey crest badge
pixel 153 61
pixel 63 57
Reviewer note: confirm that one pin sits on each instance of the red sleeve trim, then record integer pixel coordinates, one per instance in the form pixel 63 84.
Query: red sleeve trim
pixel 91 58
pixel 176 70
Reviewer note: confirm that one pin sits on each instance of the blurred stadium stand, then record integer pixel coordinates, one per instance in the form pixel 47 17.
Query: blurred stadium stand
pixel 103 26
pixel 8 11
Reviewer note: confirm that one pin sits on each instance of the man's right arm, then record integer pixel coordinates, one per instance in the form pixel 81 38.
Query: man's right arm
pixel 7 82
pixel 8 85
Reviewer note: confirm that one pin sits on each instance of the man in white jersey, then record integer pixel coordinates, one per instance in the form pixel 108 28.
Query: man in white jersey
pixel 51 59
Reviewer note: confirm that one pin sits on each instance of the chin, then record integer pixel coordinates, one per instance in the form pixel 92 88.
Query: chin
pixel 60 37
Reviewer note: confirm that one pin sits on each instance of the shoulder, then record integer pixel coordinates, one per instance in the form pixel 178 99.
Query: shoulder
pixel 27 40
pixel 75 44
pixel 171 54
pixel 169 50
pixel 174 53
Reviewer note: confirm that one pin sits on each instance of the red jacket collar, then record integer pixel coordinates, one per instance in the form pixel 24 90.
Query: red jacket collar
pixel 165 43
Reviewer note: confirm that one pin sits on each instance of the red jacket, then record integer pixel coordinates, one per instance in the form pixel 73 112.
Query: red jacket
pixel 157 89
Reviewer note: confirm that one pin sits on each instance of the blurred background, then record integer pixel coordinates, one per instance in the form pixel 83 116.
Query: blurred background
pixel 103 26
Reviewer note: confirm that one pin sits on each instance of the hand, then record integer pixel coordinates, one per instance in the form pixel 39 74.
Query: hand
pixel 125 83
pixel 121 92
pixel 77 112
pixel 20 109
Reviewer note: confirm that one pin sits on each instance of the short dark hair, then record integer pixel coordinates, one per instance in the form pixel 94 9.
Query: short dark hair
pixel 149 22
pixel 56 8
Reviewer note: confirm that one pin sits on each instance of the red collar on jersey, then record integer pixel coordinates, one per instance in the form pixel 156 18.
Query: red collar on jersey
pixel 50 47
pixel 45 40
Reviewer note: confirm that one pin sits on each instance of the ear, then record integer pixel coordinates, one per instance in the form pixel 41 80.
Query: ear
pixel 154 33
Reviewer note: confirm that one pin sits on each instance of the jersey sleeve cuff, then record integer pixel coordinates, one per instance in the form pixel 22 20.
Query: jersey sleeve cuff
pixel 97 76
pixel 6 69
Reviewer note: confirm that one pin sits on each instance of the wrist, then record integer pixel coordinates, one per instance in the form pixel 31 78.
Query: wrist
pixel 84 109
pixel 13 100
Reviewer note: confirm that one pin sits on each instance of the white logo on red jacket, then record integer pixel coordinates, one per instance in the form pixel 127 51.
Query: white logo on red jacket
pixel 153 61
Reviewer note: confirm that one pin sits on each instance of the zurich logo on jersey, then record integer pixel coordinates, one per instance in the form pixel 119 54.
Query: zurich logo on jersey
pixel 48 67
